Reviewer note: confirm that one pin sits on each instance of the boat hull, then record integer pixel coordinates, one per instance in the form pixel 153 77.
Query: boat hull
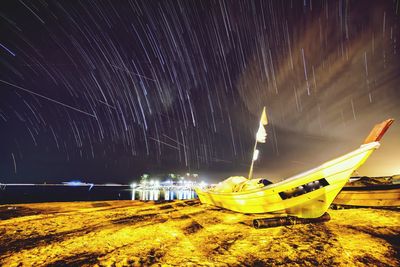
pixel 370 196
pixel 295 196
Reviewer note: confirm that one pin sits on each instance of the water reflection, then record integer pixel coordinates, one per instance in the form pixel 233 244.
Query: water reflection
pixel 163 194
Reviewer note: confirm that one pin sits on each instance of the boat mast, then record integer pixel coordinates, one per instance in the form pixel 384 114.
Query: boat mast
pixel 260 138
pixel 252 161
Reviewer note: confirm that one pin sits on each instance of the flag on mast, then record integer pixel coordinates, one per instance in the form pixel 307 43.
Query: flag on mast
pixel 261 135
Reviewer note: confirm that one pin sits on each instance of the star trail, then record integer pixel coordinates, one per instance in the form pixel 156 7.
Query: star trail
pixel 108 90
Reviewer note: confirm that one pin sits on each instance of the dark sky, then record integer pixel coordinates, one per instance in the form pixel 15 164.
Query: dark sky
pixel 103 91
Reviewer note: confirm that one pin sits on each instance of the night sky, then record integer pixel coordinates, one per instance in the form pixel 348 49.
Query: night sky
pixel 103 91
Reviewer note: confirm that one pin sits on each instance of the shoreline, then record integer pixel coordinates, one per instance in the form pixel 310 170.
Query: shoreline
pixel 184 232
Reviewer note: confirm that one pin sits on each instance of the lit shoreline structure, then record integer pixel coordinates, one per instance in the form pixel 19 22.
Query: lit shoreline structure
pixel 306 195
pixel 169 189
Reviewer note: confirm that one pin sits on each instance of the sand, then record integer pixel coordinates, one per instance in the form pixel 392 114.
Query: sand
pixel 186 233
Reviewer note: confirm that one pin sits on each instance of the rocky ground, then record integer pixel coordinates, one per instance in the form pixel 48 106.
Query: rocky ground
pixel 132 233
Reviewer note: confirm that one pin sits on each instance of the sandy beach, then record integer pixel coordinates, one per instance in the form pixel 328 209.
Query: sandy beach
pixel 132 233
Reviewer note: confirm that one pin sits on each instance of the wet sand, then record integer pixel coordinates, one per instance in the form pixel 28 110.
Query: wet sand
pixel 132 233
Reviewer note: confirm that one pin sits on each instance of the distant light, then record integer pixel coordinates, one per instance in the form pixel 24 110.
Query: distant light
pixel 255 155
pixel 133 185
pixel 74 183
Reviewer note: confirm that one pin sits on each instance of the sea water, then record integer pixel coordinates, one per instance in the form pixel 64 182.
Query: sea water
pixel 62 193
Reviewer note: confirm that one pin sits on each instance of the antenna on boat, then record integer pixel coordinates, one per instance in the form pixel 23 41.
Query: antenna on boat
pixel 261 137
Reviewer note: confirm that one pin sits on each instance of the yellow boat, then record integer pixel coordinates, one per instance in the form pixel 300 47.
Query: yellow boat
pixel 306 195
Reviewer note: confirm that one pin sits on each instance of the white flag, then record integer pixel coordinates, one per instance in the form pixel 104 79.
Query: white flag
pixel 261 135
